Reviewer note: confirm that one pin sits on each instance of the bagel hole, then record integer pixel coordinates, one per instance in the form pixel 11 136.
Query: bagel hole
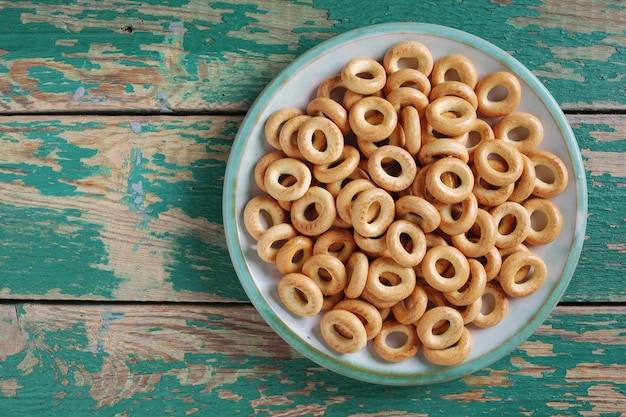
pixel 450 179
pixel 518 134
pixel 473 139
pixel 396 340
pixel 297 256
pixel 311 213
pixel 444 268
pixel 488 303
pixel 498 93
pixel 507 224
pixel 301 295
pixel 440 327
pixel 287 180
pixel 538 220
pixel 265 219
pixel 337 94
pixel 451 75
pixel 324 275
pixel 487 186
pixel 389 279
pixel 373 212
pixel 391 167
pixel 408 62
pixel 374 117
pixel 365 75
pixel 456 211
pixel 406 241
pixel 544 174
pixel 451 114
pixel 336 247
pixel 342 331
pixel 436 134
pixel 319 141
pixel 497 162
pixel 277 244
pixel 524 274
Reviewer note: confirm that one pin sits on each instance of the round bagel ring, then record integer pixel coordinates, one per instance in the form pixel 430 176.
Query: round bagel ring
pixel 362 128
pixel 361 85
pixel 408 50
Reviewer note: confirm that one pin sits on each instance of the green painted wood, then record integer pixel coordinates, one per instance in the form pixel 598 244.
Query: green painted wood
pixel 205 56
pixel 129 208
pixel 182 360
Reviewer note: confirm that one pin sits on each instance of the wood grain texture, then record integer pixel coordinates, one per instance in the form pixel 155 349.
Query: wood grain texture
pixel 129 208
pixel 223 360
pixel 217 56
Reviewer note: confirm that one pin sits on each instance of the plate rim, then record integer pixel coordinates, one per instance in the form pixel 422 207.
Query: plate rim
pixel 437 375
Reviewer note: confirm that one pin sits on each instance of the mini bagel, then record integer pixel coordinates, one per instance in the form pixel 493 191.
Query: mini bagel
pixel 500 106
pixel 356 272
pixel 293 254
pixel 300 294
pixel 394 181
pixel 336 242
pixel 550 188
pixel 474 289
pixel 346 196
pixel 519 120
pixel 289 167
pixel 479 132
pixel 350 76
pixel 492 262
pixel 459 218
pixel 365 130
pixel 263 163
pixel 402 97
pixel 460 64
pixel 451 355
pixel 498 306
pixel 401 280
pixel 429 327
pixel 450 115
pixel 459 268
pixel 339 169
pixel 457 89
pixel 410 123
pixel 288 136
pixel 411 309
pixel 544 233
pixel 329 108
pixel 408 77
pixel 253 215
pixel 372 212
pixel 275 122
pixel 442 148
pixel 272 240
pixel 410 253
pixel 369 315
pixel 328 272
pixel 441 191
pixel 418 211
pixel 332 87
pixel 481 245
pixel 517 234
pixel 406 350
pixel 313 213
pixel 513 277
pixel 510 155
pixel 525 185
pixel 343 331
pixel 316 149
pixel 408 50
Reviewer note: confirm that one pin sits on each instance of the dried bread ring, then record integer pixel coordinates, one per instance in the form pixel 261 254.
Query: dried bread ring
pixel 359 118
pixel 269 243
pixel 329 108
pixel 451 355
pixel 408 50
pixel 343 331
pixel 408 77
pixel 384 271
pixel 458 218
pixel 356 272
pixel 454 67
pixel 328 272
pixel 346 196
pixel 500 105
pixel 261 167
pixel 339 169
pixel 254 213
pixel 507 127
pixel 450 115
pixel 459 268
pixel 521 224
pixel 320 140
pixel 410 123
pixel 369 315
pixel 501 149
pixel 514 279
pixel 418 211
pixel 557 177
pixel 372 246
pixel 372 212
pixel 473 289
pixel 290 168
pixel 479 132
pixel 406 243
pixel 300 294
pixel 332 87
pixel 525 185
pixel 275 122
pixel 442 148
pixel 313 213
pixel 457 89
pixel 431 328
pixel 495 303
pixel 392 353
pixel 481 245
pixel 399 178
pixel 402 97
pixel 293 254
pixel 442 192
pixel 336 242
pixel 288 136
pixel 490 195
pixel 492 262
pixel 352 79
pixel 411 309
pixel 543 230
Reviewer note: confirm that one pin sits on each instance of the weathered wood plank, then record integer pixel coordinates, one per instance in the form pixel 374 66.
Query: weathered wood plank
pixel 223 360
pixel 199 56
pixel 129 208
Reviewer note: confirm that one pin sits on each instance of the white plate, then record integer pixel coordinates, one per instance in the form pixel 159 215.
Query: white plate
pixel 295 87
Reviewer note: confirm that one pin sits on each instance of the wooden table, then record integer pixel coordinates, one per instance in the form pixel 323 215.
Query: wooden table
pixel 118 295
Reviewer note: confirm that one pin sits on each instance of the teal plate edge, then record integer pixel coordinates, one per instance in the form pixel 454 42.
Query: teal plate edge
pixel 441 374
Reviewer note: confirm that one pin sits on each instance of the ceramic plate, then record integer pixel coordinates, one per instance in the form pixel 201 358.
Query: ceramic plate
pixel 295 87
